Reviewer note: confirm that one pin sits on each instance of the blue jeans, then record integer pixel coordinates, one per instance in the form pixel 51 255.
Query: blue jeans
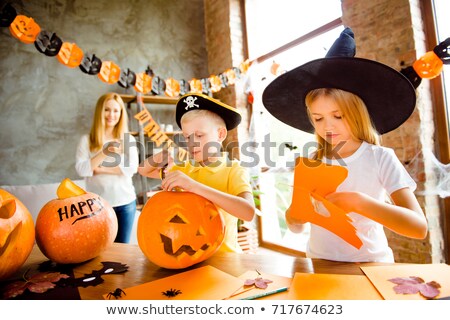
pixel 125 218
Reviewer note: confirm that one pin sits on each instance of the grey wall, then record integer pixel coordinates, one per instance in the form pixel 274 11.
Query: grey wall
pixel 45 106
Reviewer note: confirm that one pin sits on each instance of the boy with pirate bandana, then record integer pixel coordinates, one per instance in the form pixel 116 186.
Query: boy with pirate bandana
pixel 209 173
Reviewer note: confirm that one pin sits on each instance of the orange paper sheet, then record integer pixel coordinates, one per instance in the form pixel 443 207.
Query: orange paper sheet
pixel 315 180
pixel 277 283
pixel 380 275
pixel 204 283
pixel 306 286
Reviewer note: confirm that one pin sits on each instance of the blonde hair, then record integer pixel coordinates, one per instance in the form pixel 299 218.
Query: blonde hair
pixel 96 136
pixel 354 112
pixel 203 113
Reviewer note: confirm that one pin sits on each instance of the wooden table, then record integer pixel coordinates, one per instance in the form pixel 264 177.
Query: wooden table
pixel 141 270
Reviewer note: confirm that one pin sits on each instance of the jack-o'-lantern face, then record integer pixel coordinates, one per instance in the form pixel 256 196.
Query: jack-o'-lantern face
pixel 216 83
pixel 127 78
pixel 196 86
pixel 16 234
pixel 25 29
pixel 428 66
pixel 172 88
pixel 179 229
pixel 70 55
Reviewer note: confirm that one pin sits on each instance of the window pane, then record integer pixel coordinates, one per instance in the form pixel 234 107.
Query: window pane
pixel 273 23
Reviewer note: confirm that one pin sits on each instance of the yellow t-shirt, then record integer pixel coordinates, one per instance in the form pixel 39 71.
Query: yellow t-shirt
pixel 226 176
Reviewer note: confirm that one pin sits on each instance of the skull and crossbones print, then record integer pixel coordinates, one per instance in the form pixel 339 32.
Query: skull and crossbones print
pixel 190 101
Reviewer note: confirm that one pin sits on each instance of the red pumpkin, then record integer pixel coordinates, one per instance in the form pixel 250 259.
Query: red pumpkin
pixel 25 29
pixel 16 234
pixel 76 227
pixel 178 229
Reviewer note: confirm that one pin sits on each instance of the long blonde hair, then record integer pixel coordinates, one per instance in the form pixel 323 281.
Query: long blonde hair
pixel 354 113
pixel 97 134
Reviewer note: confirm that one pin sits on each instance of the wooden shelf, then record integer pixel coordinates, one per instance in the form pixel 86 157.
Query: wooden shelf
pixel 127 98
pixel 169 133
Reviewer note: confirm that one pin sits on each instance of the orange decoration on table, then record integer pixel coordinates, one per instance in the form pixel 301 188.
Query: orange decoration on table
pixel 25 29
pixel 172 88
pixel 16 234
pixel 313 180
pixel 143 83
pixel 109 72
pixel 196 85
pixel 76 227
pixel 216 83
pixel 70 55
pixel 179 229
pixel 428 66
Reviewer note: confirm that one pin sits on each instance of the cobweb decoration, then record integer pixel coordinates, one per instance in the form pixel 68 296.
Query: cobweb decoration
pixel 441 172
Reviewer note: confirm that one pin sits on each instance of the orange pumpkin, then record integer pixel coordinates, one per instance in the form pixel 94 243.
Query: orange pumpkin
pixel 143 83
pixel 231 76
pixel 70 55
pixel 178 229
pixel 216 83
pixel 172 88
pixel 76 227
pixel 428 66
pixel 25 29
pixel 109 72
pixel 196 85
pixel 16 234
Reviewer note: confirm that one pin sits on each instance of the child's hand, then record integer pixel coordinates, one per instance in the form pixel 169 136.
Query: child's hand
pixel 178 179
pixel 347 201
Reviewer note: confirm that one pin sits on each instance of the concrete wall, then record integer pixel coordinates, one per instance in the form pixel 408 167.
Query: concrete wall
pixel 45 106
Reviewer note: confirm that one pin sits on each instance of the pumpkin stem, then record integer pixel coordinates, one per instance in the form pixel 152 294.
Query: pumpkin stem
pixel 68 189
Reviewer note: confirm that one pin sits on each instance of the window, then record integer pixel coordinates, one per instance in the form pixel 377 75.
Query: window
pixel 281 36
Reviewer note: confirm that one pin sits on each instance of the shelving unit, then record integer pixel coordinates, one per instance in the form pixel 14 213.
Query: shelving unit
pixel 136 129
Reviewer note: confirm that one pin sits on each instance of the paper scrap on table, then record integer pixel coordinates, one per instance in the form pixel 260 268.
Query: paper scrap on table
pixel 313 180
pixel 380 275
pixel 204 283
pixel 308 286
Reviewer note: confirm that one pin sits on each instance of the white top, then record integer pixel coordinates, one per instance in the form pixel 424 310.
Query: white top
pixel 377 172
pixel 118 190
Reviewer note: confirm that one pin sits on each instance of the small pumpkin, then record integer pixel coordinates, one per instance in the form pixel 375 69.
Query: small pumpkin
pixel 428 66
pixel 178 229
pixel 196 85
pixel 70 55
pixel 90 64
pixel 48 43
pixel 143 83
pixel 172 88
pixel 216 83
pixel 24 28
pixel 16 234
pixel 76 227
pixel 109 72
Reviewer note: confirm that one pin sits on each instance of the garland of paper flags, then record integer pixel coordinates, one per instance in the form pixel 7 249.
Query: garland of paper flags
pixel 69 54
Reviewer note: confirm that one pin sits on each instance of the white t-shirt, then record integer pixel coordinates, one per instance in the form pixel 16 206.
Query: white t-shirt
pixel 118 190
pixel 377 172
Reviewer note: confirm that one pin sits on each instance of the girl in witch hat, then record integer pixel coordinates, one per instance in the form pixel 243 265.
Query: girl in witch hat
pixel 348 103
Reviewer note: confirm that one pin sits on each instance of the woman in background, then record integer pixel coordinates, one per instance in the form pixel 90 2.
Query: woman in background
pixel 108 158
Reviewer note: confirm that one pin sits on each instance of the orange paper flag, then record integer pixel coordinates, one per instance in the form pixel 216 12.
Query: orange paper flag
pixel 313 180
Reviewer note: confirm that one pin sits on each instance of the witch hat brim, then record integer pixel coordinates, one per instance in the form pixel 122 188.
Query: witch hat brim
pixel 189 102
pixel 388 95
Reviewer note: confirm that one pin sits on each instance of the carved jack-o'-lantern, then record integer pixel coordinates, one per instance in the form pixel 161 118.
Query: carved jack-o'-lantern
pixel 179 229
pixel 428 66
pixel 16 234
pixel 25 29
pixel 70 55
pixel 76 227
pixel 109 72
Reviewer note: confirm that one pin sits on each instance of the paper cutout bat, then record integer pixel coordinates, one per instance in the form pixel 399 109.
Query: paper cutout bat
pixel 313 180
pixel 92 279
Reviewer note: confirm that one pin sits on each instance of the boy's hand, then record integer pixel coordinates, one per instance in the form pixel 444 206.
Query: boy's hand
pixel 178 179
